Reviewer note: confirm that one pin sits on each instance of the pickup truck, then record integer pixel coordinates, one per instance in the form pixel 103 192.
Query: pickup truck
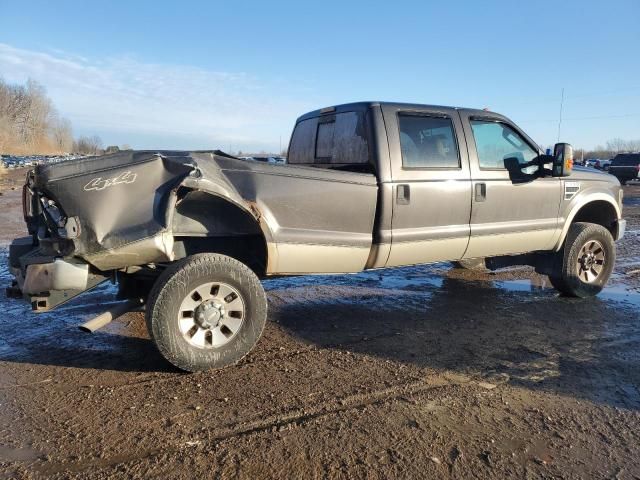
pixel 367 186
pixel 625 167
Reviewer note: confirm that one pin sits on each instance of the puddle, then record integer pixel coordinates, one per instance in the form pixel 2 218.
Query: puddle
pixel 620 294
pixel 631 201
pixel 616 293
pixel 526 285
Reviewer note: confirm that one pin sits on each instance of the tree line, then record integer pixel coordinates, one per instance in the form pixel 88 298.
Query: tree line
pixel 609 150
pixel 30 124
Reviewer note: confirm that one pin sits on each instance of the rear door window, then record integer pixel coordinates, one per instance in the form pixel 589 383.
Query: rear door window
pixel 427 142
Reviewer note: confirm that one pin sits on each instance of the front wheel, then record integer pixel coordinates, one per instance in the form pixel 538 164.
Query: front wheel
pixel 206 311
pixel 586 261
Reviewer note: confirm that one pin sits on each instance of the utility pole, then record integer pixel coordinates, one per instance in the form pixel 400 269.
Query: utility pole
pixel 280 151
pixel 560 119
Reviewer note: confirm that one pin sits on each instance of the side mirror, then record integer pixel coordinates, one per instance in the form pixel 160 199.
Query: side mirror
pixel 562 160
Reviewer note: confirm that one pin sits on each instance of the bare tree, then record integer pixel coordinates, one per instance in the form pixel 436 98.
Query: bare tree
pixel 633 145
pixel 29 123
pixel 616 145
pixel 88 145
pixel 62 135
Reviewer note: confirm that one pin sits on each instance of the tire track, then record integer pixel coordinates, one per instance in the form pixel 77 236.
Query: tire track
pixel 272 423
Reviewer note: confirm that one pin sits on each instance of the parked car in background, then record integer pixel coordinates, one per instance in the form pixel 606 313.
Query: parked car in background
pixel 261 159
pixel 590 162
pixel 269 159
pixel 603 165
pixel 625 167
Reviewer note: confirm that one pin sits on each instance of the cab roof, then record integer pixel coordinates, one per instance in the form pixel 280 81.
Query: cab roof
pixel 363 106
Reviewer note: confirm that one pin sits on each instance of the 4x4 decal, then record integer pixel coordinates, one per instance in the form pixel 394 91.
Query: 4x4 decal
pixel 100 183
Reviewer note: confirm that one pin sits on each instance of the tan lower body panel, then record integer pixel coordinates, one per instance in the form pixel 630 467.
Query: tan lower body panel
pixel 426 251
pixel 510 243
pixel 305 258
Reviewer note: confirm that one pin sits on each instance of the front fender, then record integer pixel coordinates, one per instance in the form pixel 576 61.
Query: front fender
pixel 578 202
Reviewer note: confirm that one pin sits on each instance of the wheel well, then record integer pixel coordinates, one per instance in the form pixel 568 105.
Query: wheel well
pixel 599 212
pixel 205 223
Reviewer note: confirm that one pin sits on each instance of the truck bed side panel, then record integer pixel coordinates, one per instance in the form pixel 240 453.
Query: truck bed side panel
pixel 321 220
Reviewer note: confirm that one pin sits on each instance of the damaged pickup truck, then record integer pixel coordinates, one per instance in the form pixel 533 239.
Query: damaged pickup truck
pixel 367 185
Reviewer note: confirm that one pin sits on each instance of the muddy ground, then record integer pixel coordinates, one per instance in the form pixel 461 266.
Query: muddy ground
pixel 406 373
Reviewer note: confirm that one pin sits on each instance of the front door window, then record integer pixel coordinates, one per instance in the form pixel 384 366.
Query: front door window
pixel 497 142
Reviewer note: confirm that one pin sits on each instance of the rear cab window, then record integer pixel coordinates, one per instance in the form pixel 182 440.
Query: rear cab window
pixel 335 140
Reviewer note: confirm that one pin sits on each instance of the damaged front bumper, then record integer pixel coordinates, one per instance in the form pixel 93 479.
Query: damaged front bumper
pixel 47 281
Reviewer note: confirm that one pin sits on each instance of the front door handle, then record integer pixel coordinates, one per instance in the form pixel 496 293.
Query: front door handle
pixel 403 194
pixel 481 192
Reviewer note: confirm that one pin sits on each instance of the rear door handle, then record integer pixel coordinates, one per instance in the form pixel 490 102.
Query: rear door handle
pixel 481 192
pixel 403 194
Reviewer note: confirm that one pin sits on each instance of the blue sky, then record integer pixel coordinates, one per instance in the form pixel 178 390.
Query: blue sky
pixel 198 74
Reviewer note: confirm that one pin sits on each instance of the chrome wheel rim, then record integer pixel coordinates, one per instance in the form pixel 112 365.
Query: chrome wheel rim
pixel 591 261
pixel 211 315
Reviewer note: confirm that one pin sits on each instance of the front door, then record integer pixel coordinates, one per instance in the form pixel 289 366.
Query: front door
pixel 512 211
pixel 431 185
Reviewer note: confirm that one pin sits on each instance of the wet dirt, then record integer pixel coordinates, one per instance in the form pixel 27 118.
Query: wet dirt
pixel 419 372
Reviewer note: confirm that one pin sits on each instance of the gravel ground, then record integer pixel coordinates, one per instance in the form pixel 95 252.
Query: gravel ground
pixel 411 372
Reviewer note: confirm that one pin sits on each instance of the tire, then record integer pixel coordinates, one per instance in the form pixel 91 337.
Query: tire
pixel 623 182
pixel 206 311
pixel 585 262
pixel 474 264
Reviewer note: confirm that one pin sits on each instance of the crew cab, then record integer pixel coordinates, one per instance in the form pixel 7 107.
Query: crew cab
pixel 367 185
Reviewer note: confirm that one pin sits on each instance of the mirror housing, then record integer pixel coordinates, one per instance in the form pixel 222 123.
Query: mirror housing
pixel 562 160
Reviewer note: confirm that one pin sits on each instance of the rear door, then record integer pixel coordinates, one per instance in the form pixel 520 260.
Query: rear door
pixel 510 213
pixel 431 184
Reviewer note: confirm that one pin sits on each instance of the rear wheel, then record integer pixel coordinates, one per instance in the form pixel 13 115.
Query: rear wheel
pixel 586 261
pixel 207 311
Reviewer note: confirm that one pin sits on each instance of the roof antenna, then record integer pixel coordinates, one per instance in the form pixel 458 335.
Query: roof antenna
pixel 560 119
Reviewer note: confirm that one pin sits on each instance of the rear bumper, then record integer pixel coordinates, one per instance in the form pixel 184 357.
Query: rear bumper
pixel 57 275
pixel 47 281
